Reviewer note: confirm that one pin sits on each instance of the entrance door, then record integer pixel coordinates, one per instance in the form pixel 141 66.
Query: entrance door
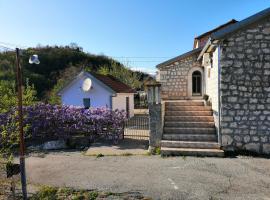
pixel 196 83
pixel 127 106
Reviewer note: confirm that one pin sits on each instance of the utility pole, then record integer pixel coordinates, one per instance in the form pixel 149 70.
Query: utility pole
pixel 20 113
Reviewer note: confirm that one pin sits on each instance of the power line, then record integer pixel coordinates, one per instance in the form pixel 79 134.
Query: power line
pixel 127 57
pixel 11 46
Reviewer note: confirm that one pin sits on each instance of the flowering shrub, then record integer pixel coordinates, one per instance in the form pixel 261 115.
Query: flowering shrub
pixel 46 121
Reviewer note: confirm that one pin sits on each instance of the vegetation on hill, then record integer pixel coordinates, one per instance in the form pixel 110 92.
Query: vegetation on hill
pixel 58 64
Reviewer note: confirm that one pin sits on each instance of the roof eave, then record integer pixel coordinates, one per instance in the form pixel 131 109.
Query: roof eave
pixel 209 47
pixel 206 46
pixel 242 24
pixel 189 53
pixel 61 91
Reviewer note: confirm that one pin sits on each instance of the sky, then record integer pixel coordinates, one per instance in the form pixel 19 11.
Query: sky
pixel 138 33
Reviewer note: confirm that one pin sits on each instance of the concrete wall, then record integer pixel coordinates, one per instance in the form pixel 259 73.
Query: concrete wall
pixel 119 102
pixel 245 89
pixel 99 96
pixel 174 78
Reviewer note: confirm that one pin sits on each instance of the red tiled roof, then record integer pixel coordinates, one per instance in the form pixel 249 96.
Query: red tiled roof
pixel 233 21
pixel 113 83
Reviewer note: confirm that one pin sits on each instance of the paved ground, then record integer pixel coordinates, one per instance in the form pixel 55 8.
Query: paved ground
pixel 124 147
pixel 161 178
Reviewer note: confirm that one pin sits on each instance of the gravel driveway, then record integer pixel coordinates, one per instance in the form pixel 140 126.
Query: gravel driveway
pixel 156 177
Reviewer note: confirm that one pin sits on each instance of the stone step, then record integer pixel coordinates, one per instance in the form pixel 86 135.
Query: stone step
pixel 184 103
pixel 165 151
pixel 189 118
pixel 188 113
pixel 189 144
pixel 188 108
pixel 191 137
pixel 189 124
pixel 177 130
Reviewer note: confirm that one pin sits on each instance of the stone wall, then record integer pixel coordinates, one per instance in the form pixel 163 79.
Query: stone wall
pixel 156 125
pixel 245 89
pixel 174 77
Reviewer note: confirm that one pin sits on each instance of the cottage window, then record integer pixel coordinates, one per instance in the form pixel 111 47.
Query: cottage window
pixel 86 102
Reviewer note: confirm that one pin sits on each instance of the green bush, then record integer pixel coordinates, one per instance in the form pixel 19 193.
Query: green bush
pixel 46 193
pixel 9 133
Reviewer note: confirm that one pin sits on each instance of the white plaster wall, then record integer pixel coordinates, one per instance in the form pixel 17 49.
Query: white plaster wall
pixel 212 84
pixel 119 102
pixel 99 96
pixel 158 75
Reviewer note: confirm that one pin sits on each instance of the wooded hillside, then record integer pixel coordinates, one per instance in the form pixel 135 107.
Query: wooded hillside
pixel 61 63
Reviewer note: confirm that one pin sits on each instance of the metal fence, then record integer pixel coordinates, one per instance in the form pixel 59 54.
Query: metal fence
pixel 137 127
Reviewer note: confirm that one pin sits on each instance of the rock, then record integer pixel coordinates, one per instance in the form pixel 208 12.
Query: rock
pixel 249 36
pixel 54 145
pixel 255 139
pixel 266 148
pixel 78 142
pixel 266 31
pixel 226 140
pixel 258 37
pixel 246 138
pixel 264 139
pixel 35 147
pixel 254 147
pixel 232 99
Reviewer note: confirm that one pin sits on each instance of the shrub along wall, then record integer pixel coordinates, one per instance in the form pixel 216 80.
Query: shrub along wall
pixel 61 122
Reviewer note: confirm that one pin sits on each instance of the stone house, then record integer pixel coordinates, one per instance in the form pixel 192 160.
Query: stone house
pixel 229 67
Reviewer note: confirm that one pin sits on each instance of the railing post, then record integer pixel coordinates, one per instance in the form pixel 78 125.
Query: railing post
pixel 155 113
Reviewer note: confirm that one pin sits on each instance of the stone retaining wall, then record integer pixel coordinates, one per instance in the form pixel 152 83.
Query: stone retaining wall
pixel 245 89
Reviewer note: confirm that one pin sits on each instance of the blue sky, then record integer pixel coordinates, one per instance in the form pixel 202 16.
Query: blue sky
pixel 139 33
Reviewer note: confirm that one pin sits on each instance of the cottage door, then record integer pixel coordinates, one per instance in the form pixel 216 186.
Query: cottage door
pixel 196 83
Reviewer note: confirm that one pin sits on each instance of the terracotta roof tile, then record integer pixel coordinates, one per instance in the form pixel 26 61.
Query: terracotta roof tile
pixel 115 84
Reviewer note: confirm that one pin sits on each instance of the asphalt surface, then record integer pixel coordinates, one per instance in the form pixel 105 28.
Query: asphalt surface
pixel 156 177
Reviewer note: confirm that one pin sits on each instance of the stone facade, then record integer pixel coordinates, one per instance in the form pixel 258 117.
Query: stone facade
pixel 156 125
pixel 174 77
pixel 245 89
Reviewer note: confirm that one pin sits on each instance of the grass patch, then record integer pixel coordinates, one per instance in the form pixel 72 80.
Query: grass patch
pixel 157 151
pixel 126 154
pixel 54 193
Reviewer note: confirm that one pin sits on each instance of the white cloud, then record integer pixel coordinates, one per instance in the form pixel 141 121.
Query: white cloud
pixel 145 70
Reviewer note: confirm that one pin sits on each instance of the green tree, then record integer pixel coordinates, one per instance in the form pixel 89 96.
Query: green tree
pixel 56 59
pixel 9 132
pixel 122 73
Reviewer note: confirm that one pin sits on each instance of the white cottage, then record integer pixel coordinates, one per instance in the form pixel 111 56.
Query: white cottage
pixel 105 91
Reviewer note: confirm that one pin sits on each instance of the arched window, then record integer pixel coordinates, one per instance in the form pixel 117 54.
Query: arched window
pixel 196 83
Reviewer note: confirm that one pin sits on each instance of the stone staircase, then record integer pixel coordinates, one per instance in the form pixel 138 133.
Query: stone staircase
pixel 189 130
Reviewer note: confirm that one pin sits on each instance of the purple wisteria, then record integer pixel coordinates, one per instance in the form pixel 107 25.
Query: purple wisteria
pixel 54 121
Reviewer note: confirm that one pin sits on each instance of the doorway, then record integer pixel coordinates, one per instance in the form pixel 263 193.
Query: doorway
pixel 196 83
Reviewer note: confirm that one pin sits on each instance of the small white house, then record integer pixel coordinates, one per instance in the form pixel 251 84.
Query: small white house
pixel 95 90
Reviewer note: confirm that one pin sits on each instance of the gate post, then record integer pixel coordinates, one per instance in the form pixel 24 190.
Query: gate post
pixel 155 113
